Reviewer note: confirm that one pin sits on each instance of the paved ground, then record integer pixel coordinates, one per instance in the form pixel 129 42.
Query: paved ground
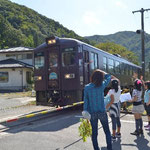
pixel 61 133
pixel 12 107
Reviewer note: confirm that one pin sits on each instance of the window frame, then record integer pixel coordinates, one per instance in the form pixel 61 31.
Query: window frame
pixel 43 61
pixel 5 81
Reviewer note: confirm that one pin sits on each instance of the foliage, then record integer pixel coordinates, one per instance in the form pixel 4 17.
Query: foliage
pixel 21 26
pixel 85 129
pixel 118 49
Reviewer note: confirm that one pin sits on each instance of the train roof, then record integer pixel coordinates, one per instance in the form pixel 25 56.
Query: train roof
pixel 65 40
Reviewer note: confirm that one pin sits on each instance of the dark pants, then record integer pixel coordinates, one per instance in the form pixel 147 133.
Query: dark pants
pixel 115 122
pixel 94 123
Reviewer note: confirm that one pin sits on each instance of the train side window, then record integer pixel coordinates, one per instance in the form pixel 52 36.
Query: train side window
pixel 94 61
pixel 121 68
pixel 86 56
pixel 117 67
pixel 110 65
pixel 129 70
pixel 104 63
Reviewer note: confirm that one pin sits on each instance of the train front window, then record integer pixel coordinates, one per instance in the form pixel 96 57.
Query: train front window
pixel 53 60
pixel 68 57
pixel 39 60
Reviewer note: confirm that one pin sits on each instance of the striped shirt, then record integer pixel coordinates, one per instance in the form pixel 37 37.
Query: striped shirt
pixel 94 96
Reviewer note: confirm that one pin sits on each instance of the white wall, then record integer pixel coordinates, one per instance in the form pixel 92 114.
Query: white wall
pixel 28 61
pixel 2 56
pixel 16 80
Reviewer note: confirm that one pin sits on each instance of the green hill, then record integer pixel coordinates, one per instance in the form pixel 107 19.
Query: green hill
pixel 21 26
pixel 128 39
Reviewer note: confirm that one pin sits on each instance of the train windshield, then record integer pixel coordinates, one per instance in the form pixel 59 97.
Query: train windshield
pixel 53 60
pixel 39 60
pixel 68 56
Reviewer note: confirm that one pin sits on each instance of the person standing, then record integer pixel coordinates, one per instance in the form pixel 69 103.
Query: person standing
pixel 94 104
pixel 114 108
pixel 147 103
pixel 138 107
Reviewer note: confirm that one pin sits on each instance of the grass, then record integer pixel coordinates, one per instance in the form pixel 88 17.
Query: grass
pixel 18 94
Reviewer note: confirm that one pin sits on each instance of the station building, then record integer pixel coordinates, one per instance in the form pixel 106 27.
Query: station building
pixel 16 68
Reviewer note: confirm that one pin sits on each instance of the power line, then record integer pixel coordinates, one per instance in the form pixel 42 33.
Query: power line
pixel 142 38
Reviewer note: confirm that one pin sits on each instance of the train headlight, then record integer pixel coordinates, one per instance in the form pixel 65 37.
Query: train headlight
pixel 38 78
pixel 51 40
pixel 69 76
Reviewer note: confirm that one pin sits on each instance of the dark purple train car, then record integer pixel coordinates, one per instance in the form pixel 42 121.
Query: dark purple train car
pixel 63 66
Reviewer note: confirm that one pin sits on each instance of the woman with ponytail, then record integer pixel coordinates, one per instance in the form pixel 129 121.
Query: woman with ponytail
pixel 114 109
pixel 138 107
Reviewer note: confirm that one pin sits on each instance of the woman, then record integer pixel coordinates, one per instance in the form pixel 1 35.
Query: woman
pixel 138 107
pixel 114 109
pixel 94 104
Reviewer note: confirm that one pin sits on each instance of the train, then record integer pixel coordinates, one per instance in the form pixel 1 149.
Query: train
pixel 62 67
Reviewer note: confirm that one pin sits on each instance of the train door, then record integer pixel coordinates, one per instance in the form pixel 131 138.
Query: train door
pixel 86 69
pixel 54 69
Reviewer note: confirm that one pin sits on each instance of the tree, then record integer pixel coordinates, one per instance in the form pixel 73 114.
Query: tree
pixel 113 48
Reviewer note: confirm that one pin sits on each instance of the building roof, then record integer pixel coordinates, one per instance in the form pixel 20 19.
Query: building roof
pixel 12 63
pixel 16 49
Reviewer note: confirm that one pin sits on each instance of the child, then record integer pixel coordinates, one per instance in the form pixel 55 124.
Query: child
pixel 138 107
pixel 147 103
pixel 114 109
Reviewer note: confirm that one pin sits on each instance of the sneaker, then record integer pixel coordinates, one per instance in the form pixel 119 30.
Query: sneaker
pixel 135 133
pixel 147 126
pixel 118 135
pixel 113 138
pixel 148 129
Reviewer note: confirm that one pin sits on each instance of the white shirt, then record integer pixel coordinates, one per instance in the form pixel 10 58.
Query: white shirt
pixel 116 94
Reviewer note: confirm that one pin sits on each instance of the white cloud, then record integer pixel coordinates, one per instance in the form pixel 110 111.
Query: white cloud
pixel 120 4
pixel 90 18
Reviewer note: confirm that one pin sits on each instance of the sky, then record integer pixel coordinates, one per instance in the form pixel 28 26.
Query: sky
pixel 93 17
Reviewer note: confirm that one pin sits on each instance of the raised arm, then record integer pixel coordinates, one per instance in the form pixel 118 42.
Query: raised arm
pixel 141 78
pixel 85 106
pixel 107 79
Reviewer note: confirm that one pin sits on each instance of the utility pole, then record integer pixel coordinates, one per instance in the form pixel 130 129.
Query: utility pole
pixel 142 38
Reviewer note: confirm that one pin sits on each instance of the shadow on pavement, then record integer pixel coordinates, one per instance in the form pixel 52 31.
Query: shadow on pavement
pixel 141 143
pixel 117 145
pixel 103 148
